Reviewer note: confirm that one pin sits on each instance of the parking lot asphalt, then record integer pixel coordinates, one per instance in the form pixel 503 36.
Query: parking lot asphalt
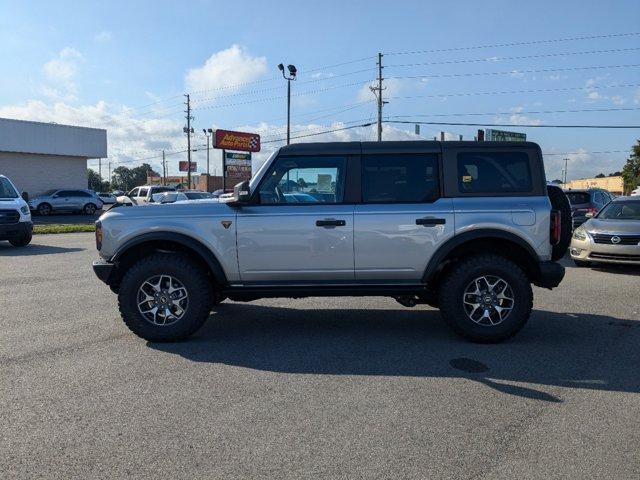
pixel 312 388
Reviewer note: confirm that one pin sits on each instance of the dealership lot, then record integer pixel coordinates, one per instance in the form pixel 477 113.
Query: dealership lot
pixel 321 387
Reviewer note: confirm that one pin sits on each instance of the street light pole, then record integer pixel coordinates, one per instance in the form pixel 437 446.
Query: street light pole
pixel 292 76
pixel 208 133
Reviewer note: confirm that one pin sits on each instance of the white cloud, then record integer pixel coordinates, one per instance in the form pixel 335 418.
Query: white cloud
pixel 226 68
pixel 60 73
pixel 636 99
pixel 581 164
pixel 392 87
pixel 618 100
pixel 103 37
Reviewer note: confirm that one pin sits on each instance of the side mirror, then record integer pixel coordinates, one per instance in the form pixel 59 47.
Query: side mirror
pixel 242 192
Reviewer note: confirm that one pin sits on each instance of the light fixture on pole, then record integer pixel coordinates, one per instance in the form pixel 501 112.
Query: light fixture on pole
pixel 292 76
pixel 207 133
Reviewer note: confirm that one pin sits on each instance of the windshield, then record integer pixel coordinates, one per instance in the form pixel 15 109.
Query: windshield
pixel 576 198
pixel 258 174
pixel 6 189
pixel 197 195
pixel 620 211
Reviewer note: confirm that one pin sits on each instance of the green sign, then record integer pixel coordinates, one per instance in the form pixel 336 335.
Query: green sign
pixel 491 135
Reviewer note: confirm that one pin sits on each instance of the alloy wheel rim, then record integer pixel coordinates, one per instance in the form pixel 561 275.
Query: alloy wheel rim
pixel 488 300
pixel 162 300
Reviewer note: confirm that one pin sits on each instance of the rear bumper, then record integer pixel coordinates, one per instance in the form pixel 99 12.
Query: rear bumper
pixel 15 230
pixel 551 274
pixel 103 270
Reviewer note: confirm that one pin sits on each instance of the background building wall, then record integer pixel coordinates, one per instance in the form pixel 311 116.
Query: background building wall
pixel 35 174
pixel 613 184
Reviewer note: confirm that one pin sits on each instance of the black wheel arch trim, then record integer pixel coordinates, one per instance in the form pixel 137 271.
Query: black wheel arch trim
pixel 457 240
pixel 185 240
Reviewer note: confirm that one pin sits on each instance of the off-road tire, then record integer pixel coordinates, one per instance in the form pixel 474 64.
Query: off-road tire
pixel 560 202
pixel 21 241
pixel 581 263
pixel 44 209
pixel 453 286
pixel 182 268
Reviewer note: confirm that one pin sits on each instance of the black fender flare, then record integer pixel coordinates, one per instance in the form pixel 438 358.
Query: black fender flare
pixel 463 238
pixel 185 240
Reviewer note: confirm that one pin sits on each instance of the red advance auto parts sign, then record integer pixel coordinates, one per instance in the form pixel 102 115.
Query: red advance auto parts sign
pixel 242 141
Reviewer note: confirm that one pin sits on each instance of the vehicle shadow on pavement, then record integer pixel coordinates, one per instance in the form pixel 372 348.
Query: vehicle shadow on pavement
pixel 7 250
pixel 616 269
pixel 555 349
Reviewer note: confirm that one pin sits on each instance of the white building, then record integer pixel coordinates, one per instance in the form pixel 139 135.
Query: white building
pixel 40 156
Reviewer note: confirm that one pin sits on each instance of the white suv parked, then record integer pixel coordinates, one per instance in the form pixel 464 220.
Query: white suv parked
pixel 15 217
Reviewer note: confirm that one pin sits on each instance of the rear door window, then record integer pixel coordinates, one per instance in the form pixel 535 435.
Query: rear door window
pixel 143 192
pixel 400 178
pixel 494 172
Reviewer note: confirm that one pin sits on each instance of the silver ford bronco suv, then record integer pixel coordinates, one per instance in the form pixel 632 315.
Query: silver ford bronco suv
pixel 466 227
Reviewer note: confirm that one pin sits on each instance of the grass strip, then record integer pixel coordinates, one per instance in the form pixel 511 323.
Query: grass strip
pixel 63 228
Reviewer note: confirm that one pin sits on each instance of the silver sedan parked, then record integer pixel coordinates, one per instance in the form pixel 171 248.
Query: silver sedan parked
pixel 611 236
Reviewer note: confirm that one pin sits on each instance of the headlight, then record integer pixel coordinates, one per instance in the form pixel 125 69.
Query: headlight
pixel 25 210
pixel 580 234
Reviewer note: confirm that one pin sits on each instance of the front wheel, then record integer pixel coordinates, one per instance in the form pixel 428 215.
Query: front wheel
pixel 165 297
pixel 486 298
pixel 22 240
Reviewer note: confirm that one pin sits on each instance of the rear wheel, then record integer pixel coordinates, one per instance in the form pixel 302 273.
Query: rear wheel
pixel 486 298
pixel 89 209
pixel 165 297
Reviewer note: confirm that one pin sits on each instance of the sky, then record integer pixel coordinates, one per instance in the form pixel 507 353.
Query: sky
pixel 125 66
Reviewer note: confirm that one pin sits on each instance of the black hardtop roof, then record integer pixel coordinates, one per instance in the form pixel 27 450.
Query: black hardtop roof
pixel 406 146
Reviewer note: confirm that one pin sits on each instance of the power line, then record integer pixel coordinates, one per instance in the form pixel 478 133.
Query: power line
pixel 511 125
pixel 523 112
pixel 541 90
pixel 518 57
pixel 515 71
pixel 322 133
pixel 268 99
pixel 585 152
pixel 516 44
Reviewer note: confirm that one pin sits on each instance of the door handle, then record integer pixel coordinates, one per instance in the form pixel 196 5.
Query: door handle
pixel 330 222
pixel 430 221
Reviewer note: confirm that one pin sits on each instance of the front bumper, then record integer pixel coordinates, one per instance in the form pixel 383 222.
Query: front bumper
pixel 551 274
pixel 15 230
pixel 103 270
pixel 589 251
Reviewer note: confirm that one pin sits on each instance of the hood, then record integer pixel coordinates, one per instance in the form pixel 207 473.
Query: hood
pixel 624 227
pixel 11 202
pixel 177 209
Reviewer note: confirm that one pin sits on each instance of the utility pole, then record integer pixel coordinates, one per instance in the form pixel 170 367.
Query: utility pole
pixel 188 130
pixel 565 171
pixel 164 170
pixel 377 91
pixel 100 172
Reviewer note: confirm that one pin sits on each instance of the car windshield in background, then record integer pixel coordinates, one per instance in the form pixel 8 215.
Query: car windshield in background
pixel 620 211
pixel 6 189
pixel 197 195
pixel 577 198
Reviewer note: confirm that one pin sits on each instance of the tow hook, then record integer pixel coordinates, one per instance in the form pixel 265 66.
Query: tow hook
pixel 406 301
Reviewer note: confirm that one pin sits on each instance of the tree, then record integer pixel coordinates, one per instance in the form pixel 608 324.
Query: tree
pixel 615 174
pixel 600 175
pixel 631 170
pixel 302 183
pixel 94 183
pixel 124 178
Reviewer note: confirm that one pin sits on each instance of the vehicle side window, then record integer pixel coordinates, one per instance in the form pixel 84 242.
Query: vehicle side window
pixel 598 198
pixel 63 193
pixel 143 192
pixel 494 172
pixel 80 193
pixel 316 179
pixel 400 178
